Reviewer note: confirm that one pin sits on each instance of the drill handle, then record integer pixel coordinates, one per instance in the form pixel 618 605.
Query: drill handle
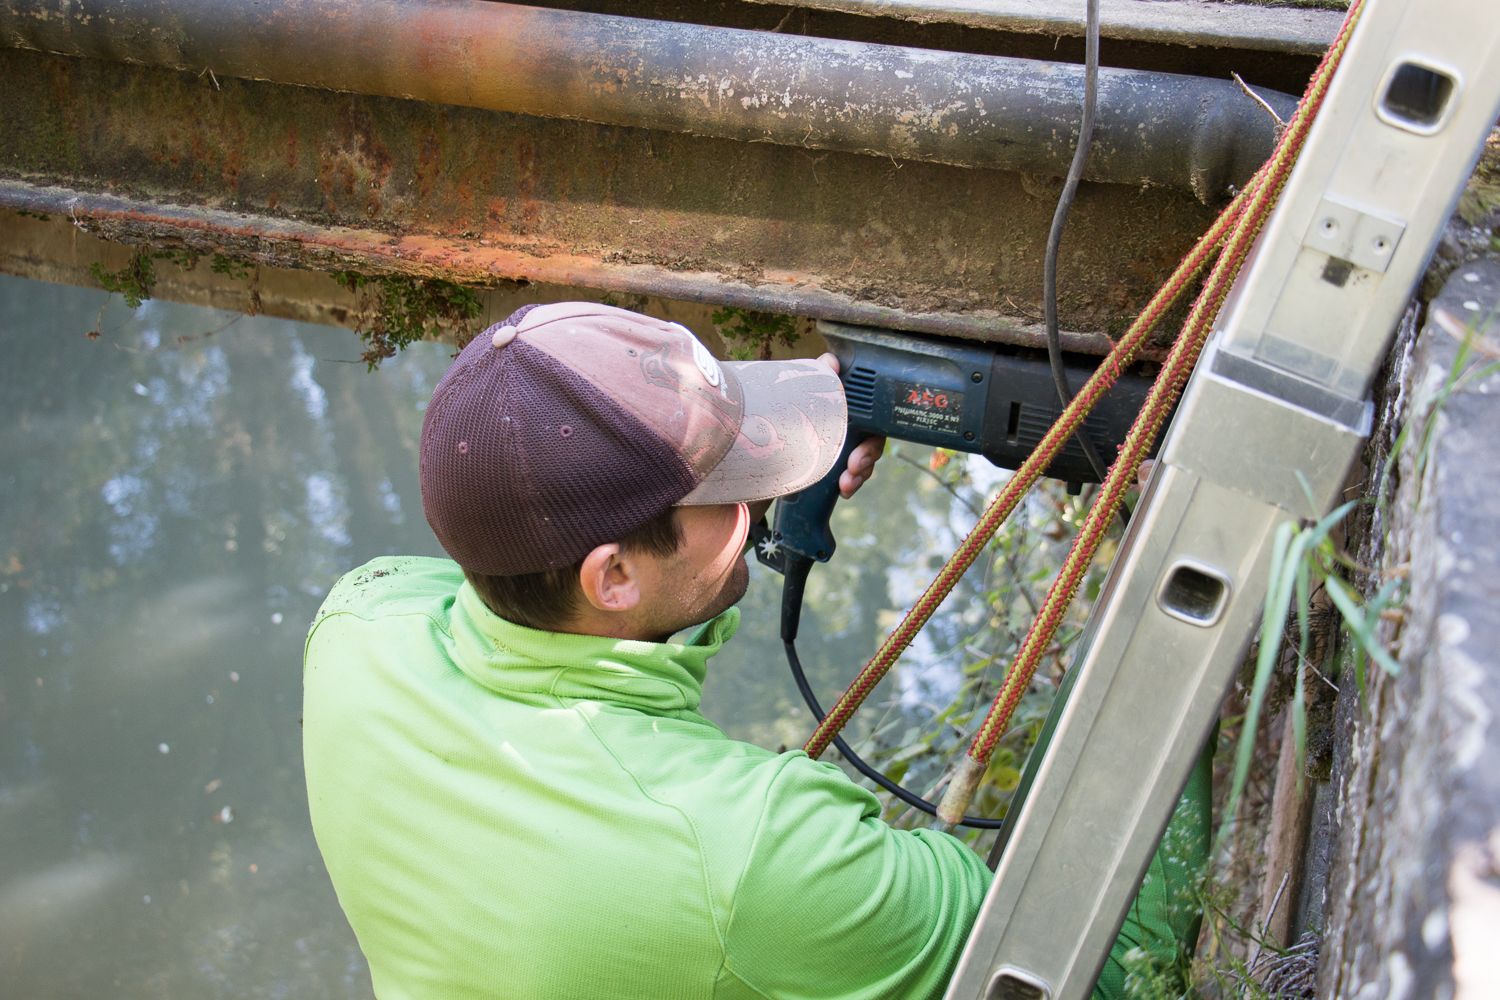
pixel 801 525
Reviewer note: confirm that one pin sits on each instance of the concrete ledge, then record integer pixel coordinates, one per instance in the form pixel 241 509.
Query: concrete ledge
pixel 1414 891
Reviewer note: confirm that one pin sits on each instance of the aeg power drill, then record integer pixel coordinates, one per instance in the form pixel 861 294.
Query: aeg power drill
pixel 993 400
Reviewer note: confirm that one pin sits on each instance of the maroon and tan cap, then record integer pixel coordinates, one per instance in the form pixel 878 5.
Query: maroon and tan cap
pixel 572 424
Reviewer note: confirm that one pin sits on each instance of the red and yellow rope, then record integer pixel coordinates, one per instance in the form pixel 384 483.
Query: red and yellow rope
pixel 1236 228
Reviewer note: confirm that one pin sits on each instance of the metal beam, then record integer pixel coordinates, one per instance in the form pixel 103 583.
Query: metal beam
pixel 298 177
pixel 995 112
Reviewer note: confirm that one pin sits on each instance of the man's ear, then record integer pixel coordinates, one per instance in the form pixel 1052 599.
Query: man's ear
pixel 609 580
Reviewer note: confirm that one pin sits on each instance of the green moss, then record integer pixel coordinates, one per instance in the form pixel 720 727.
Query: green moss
pixel 237 270
pixel 1482 194
pixel 394 311
pixel 137 279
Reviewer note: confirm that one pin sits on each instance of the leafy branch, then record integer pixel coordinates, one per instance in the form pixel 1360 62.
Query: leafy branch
pixel 396 311
pixel 136 281
pixel 751 334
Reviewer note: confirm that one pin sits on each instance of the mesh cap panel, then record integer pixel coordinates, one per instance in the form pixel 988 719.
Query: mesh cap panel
pixel 526 466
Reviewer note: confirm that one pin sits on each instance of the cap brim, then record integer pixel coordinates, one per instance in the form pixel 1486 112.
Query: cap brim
pixel 792 433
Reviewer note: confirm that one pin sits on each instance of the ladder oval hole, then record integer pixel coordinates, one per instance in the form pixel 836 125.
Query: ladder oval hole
pixel 1013 984
pixel 1194 593
pixel 1417 97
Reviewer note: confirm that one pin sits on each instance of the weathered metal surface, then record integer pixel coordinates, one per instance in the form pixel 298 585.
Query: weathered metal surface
pixel 340 180
pixel 290 245
pixel 813 93
pixel 948 30
pixel 1176 22
pixel 50 248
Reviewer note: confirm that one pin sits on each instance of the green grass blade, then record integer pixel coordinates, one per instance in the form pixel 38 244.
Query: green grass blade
pixel 1285 554
pixel 1299 725
pixel 1312 501
pixel 1361 627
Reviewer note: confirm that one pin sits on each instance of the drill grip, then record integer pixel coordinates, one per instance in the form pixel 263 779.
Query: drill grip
pixel 802 518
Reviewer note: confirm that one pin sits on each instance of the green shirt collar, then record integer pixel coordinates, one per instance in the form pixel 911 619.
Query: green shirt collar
pixel 650 676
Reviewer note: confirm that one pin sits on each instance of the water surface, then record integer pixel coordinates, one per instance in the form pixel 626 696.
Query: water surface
pixel 176 497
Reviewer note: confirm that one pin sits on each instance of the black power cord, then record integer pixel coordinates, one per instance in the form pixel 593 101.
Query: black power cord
pixel 1060 221
pixel 796 568
pixel 910 798
pixel 793 582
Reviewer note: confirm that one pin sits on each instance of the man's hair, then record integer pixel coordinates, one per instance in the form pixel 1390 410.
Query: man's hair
pixel 549 599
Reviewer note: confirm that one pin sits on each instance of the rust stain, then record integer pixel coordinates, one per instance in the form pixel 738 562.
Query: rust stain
pixel 356 139
pixel 526 186
pixel 232 163
pixel 428 168
pixel 932 239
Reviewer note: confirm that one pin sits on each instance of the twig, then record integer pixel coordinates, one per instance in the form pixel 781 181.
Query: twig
pixel 98 329
pixel 943 482
pixel 211 76
pixel 1020 311
pixel 1286 877
pixel 1462 331
pixel 209 333
pixel 1321 676
pixel 1280 124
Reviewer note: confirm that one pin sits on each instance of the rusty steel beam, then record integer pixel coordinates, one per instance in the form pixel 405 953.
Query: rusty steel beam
pixel 488 197
pixel 44 247
pixel 401 186
pixel 813 93
pixel 292 245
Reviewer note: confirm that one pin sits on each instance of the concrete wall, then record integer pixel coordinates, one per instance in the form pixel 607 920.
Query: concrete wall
pixel 1412 905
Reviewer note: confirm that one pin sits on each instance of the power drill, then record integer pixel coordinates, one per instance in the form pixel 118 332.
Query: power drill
pixel 994 400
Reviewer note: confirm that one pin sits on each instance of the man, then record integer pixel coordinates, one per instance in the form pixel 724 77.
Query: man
pixel 508 776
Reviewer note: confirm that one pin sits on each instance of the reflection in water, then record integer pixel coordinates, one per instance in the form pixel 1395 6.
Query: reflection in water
pixel 173 507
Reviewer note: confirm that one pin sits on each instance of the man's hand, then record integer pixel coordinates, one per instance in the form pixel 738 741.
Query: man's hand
pixel 862 459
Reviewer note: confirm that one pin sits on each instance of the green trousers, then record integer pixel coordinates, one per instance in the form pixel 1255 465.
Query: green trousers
pixel 1161 929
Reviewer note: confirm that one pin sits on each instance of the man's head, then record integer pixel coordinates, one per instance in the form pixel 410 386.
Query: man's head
pixel 558 446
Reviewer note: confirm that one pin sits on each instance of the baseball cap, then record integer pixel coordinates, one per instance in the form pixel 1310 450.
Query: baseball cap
pixel 571 424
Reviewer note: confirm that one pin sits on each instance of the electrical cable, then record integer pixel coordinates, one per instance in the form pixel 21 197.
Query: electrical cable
pixel 794 582
pixel 1234 231
pixel 910 798
pixel 796 569
pixel 1060 221
pixel 1246 217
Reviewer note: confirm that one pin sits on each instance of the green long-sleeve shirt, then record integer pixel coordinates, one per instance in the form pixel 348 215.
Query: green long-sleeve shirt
pixel 522 814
